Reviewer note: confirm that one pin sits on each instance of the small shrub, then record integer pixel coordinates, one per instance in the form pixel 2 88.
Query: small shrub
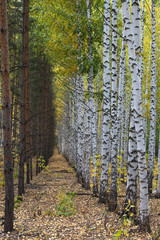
pixel 17 201
pixel 65 204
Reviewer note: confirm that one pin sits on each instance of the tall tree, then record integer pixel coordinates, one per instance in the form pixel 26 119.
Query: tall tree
pixel 7 131
pixel 138 121
pixel 80 89
pixel 106 106
pixel 132 171
pixel 151 152
pixel 25 76
pixel 114 122
pixel 24 108
pixel 92 99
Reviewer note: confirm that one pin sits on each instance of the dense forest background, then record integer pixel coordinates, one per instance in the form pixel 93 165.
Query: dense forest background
pixel 84 77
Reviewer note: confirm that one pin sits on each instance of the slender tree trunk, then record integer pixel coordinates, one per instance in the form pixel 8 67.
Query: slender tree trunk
pixel 142 39
pixel 86 170
pixel 106 106
pixel 114 122
pixel 80 148
pixel 25 62
pixel 38 131
pixel 91 111
pixel 7 131
pixel 132 171
pixel 124 129
pixel 126 123
pixel 152 133
pixel 80 106
pixel 121 101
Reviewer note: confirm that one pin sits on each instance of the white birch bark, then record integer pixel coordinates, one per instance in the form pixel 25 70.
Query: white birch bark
pixel 123 117
pixel 92 113
pixel 136 24
pixel 68 125
pixel 106 106
pixel 97 112
pixel 121 91
pixel 127 120
pixel 86 183
pixel 138 120
pixel 146 98
pixel 80 117
pixel 152 133
pixel 86 170
pixel 121 107
pixel 80 149
pixel 142 38
pixel 75 122
pixel 94 149
pixel 132 171
pixel 114 122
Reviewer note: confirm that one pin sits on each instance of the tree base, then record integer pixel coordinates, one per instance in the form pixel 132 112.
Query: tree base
pixel 144 224
pixel 112 206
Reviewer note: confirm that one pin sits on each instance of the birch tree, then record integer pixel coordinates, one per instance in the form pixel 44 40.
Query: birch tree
pixel 121 103
pixel 151 152
pixel 132 171
pixel 138 121
pixel 106 106
pixel 80 90
pixel 91 115
pixel 114 123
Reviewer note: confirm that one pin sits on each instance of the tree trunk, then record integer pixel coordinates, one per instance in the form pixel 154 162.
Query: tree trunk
pixel 137 103
pixel 106 107
pixel 7 131
pixel 114 122
pixel 25 62
pixel 152 133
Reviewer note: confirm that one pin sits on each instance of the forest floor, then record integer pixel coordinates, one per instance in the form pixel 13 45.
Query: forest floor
pixel 49 212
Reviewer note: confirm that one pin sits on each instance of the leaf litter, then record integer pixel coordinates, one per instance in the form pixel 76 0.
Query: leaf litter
pixel 50 210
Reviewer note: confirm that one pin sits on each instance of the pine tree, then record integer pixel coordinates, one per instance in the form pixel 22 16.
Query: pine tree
pixel 7 131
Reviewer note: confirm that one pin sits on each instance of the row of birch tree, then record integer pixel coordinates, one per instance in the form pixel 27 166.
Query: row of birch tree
pixel 108 121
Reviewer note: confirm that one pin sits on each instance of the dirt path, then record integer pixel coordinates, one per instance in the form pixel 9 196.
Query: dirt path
pixel 37 216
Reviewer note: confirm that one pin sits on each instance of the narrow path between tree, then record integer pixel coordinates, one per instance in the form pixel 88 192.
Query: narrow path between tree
pixel 37 217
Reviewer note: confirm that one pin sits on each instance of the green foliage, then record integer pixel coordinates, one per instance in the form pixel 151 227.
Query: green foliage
pixel 1 179
pixel 123 232
pixel 41 163
pixel 49 212
pixel 129 210
pixel 17 201
pixel 65 206
pixel 118 234
pixel 156 235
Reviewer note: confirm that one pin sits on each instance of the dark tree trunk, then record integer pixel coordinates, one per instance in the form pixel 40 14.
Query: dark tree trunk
pixel 25 62
pixel 6 98
pixel 24 108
